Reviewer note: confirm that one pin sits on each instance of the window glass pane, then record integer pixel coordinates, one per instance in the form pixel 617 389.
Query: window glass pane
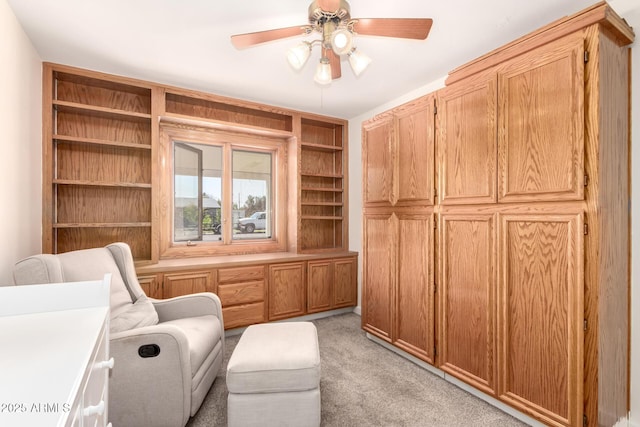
pixel 198 191
pixel 251 190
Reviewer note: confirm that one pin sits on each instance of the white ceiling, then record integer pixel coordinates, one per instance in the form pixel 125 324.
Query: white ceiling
pixel 187 44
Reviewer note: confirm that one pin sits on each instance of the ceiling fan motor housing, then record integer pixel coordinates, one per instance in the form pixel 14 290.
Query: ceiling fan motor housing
pixel 318 17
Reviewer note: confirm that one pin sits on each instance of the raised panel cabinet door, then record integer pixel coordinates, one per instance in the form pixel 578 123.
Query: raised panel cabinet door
pixel 414 166
pixel 177 284
pixel 467 142
pixel 378 277
pixel 286 290
pixel 541 124
pixel 377 161
pixel 540 315
pixel 345 285
pixel 320 281
pixel 414 313
pixel 467 292
pixel 151 285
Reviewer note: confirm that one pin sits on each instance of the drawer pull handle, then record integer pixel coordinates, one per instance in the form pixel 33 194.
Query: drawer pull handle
pixel 105 364
pixel 94 410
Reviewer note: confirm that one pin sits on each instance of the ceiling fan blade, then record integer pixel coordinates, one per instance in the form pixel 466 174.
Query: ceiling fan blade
pixel 334 61
pixel 240 41
pixel 406 28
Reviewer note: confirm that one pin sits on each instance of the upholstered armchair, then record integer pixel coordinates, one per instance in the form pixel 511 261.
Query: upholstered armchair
pixel 167 353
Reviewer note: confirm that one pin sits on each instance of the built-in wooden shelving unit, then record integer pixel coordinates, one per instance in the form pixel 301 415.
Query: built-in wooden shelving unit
pixel 101 160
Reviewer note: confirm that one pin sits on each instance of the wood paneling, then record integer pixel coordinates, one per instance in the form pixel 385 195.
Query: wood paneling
pixel 85 90
pixel 194 106
pixel 467 298
pixel 77 204
pixel 467 145
pixel 102 164
pixel 378 150
pixel 176 284
pixel 379 248
pixel 540 124
pixel 540 296
pixel 286 290
pixel 414 312
pixel 74 238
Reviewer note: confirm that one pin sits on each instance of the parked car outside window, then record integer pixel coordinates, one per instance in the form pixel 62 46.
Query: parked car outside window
pixel 257 221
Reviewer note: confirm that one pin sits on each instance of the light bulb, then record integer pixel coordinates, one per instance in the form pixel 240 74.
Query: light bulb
pixel 323 72
pixel 298 55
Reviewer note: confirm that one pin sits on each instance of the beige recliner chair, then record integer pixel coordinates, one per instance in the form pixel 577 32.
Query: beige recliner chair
pixel 167 352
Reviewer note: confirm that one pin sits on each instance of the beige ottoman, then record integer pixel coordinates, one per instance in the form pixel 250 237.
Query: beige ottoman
pixel 273 376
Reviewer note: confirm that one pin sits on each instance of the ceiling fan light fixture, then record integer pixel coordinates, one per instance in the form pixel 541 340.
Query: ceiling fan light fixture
pixel 323 72
pixel 342 41
pixel 298 55
pixel 358 61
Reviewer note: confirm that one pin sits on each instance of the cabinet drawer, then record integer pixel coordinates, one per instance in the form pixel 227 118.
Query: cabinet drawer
pixel 243 315
pixel 240 274
pixel 241 293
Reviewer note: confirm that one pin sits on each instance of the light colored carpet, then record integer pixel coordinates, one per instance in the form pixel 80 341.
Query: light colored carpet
pixel 364 384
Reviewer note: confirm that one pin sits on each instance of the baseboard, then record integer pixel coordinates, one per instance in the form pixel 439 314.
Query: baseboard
pixel 305 318
pixel 464 386
pixel 358 310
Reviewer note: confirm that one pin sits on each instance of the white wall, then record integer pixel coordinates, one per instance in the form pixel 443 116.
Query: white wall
pixel 21 155
pixel 628 9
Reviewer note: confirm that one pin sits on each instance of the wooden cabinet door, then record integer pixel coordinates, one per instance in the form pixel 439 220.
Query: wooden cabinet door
pixel 540 315
pixel 466 293
pixel 176 284
pixel 541 124
pixel 378 277
pixel 286 290
pixel 414 312
pixel 378 149
pixel 414 162
pixel 152 285
pixel 467 142
pixel 320 283
pixel 345 285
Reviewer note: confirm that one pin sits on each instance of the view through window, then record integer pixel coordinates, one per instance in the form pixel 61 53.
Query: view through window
pixel 202 179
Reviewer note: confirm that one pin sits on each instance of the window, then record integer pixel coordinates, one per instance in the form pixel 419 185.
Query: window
pixel 223 193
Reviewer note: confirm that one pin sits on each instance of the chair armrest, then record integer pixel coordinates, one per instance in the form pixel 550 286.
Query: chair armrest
pixel 150 390
pixel 193 305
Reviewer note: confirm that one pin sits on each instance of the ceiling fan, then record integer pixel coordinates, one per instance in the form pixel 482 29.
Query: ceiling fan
pixel 332 19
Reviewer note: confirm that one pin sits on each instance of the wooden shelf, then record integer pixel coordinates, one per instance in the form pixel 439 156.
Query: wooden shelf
pixel 94 141
pixel 74 107
pixel 322 217
pixel 104 225
pixel 321 204
pixel 320 147
pixel 101 184
pixel 325 189
pixel 322 175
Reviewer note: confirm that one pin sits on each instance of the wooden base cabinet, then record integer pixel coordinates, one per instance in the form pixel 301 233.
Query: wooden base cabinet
pixel 329 284
pixel 532 253
pixel 279 286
